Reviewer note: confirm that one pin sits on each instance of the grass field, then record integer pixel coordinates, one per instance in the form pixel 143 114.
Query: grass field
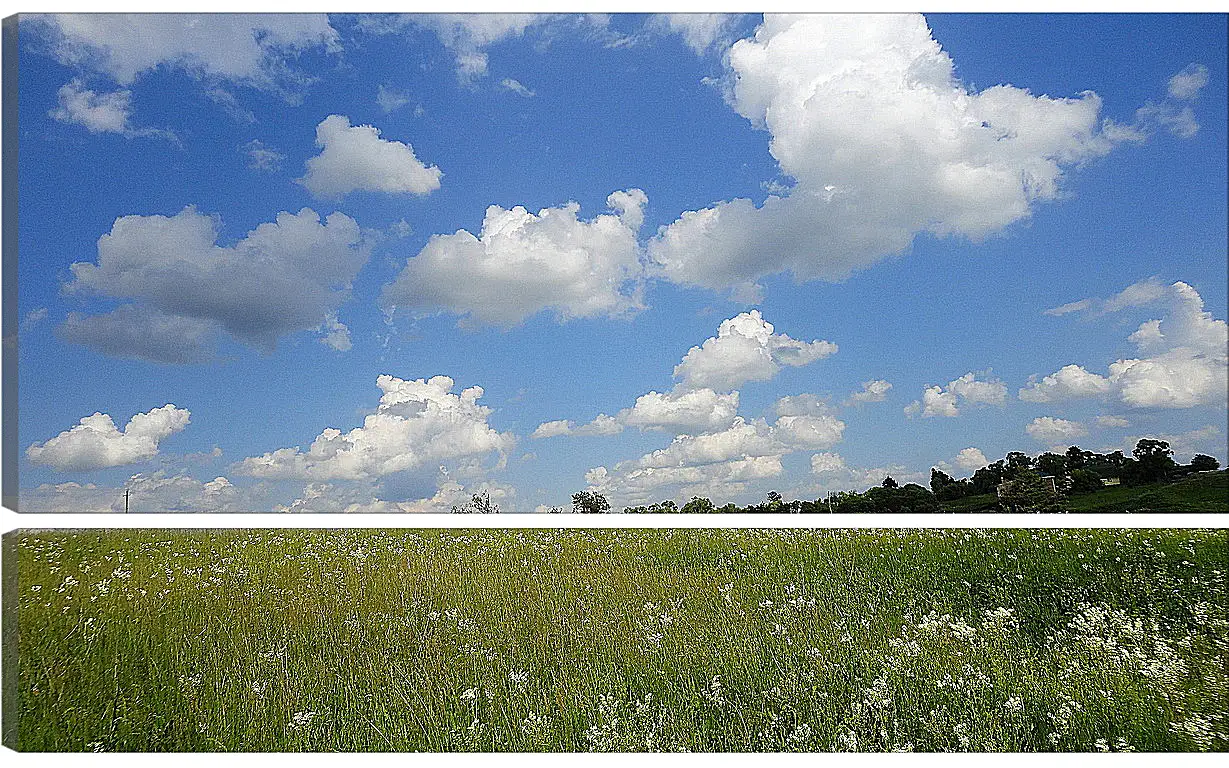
pixel 625 640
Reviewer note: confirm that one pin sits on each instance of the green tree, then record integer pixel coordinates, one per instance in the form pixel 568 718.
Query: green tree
pixel 1052 464
pixel 1155 460
pixel 1085 481
pixel 1016 463
pixel 1027 492
pixel 889 483
pixel 698 506
pixel 1202 463
pixel 590 503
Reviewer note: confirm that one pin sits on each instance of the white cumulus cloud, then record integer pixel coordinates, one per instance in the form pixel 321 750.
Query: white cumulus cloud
pixel 354 158
pixel 96 443
pixel 700 31
pixel 745 349
pixel 1052 431
pixel 283 276
pixel 971 459
pixel 882 142
pixel 873 391
pixel 417 424
pixel 521 263
pixel 946 401
pixel 1184 360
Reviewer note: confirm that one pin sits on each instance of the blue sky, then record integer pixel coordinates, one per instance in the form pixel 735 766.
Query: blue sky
pixel 271 223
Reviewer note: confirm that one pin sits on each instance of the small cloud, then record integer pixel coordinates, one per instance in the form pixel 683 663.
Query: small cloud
pixel 261 157
pixel 516 87
pixel 1112 421
pixel 334 333
pixel 33 318
pixel 1187 84
pixel 390 100
pixel 101 112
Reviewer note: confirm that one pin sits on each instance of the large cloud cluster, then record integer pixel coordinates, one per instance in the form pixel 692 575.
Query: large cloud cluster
pixel 721 462
pixel 1184 362
pixel 96 443
pixel 417 424
pixel 521 263
pixel 882 142
pixel 705 399
pixel 284 276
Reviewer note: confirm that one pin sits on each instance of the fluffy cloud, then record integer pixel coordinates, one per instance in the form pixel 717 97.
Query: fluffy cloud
pixel 100 113
pixel 283 276
pixel 96 443
pixel 883 142
pixel 1052 431
pixel 1139 294
pixel 248 48
pixel 355 158
pixel 745 349
pixel 720 462
pixel 681 411
pixel 700 31
pixel 874 391
pixel 1070 381
pixel 334 334
pixel 944 401
pixel 1112 422
pixel 262 157
pixel 971 459
pixel 704 399
pixel 417 424
pixel 1187 84
pixel 1187 366
pixel 522 263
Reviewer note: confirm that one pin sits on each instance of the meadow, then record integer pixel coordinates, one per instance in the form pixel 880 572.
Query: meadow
pixel 619 640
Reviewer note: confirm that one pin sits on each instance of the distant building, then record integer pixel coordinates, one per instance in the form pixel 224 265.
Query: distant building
pixel 1110 481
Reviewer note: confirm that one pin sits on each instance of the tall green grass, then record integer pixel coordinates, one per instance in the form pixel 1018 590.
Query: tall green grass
pixel 623 640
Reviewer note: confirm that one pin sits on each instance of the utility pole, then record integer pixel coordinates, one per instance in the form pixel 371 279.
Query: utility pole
pixel 125 501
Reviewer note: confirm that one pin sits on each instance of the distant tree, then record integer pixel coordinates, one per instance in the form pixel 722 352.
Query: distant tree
pixel 888 482
pixel 848 502
pixel 986 479
pixel 773 498
pixel 1016 463
pixel 698 506
pixel 939 480
pixel 1077 459
pixel 945 488
pixel 1202 463
pixel 1052 464
pixel 1085 481
pixel 727 509
pixel 479 504
pixel 1155 460
pixel 1027 492
pixel 666 507
pixel 590 503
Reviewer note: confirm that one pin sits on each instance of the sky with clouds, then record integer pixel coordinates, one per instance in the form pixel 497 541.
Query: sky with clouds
pixel 378 263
